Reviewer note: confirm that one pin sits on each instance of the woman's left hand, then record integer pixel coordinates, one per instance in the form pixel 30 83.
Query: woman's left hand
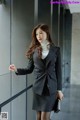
pixel 60 95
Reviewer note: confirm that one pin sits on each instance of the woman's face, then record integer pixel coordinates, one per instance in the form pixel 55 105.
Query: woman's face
pixel 41 35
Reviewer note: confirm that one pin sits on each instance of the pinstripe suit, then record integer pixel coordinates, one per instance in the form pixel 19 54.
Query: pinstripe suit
pixel 51 70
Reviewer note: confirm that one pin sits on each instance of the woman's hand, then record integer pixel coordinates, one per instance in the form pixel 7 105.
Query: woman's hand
pixel 12 67
pixel 60 95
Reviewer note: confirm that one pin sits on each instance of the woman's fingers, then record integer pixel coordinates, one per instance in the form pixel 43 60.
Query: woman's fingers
pixel 12 67
pixel 60 95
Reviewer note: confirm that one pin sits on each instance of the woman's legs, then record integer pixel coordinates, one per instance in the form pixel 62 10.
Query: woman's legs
pixel 38 117
pixel 45 115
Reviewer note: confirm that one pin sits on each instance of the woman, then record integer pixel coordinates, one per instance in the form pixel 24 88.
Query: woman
pixel 44 59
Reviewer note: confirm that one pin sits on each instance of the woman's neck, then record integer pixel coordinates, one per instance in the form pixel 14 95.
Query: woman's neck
pixel 44 44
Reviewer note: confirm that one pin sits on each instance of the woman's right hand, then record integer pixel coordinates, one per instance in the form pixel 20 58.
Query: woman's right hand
pixel 12 67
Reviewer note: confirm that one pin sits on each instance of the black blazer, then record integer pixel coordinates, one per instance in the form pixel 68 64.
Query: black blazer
pixel 50 70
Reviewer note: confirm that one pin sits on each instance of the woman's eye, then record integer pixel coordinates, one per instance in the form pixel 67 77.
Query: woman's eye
pixel 40 33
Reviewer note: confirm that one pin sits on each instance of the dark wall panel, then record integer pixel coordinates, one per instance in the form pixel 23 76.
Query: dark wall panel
pixel 55 24
pixel 44 11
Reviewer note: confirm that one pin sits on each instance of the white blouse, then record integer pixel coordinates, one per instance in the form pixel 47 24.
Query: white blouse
pixel 45 48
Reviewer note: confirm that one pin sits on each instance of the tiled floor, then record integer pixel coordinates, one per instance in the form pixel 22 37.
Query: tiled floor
pixel 70 105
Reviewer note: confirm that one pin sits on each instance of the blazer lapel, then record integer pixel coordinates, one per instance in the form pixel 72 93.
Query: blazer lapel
pixel 49 56
pixel 37 59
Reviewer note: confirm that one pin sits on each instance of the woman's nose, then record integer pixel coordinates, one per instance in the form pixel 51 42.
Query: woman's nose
pixel 38 36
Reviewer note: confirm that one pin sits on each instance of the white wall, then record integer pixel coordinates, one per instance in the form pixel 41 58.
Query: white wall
pixel 5 56
pixel 75 56
pixel 4 39
pixel 15 29
pixel 74 7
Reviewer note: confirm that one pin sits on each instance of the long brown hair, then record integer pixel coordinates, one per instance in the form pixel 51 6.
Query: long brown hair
pixel 34 43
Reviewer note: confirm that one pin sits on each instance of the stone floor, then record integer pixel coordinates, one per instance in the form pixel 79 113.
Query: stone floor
pixel 70 105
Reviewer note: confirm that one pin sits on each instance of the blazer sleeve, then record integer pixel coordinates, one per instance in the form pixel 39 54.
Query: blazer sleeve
pixel 58 70
pixel 28 70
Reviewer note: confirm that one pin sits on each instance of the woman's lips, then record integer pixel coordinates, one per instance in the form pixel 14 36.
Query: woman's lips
pixel 40 39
